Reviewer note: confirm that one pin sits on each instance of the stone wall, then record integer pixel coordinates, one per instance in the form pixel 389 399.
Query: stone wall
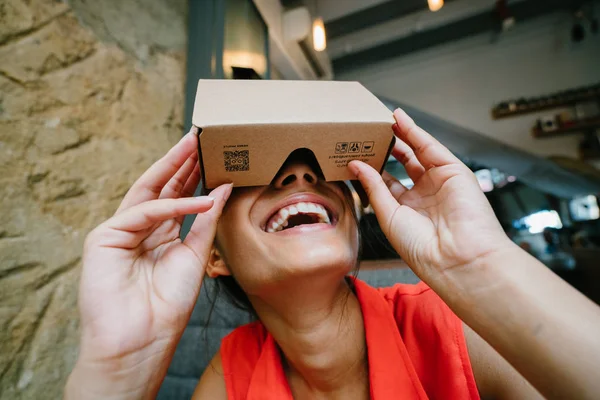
pixel 91 93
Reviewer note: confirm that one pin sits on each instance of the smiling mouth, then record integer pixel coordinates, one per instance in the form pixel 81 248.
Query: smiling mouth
pixel 294 215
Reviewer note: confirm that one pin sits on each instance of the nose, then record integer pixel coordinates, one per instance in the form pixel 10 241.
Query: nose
pixel 295 173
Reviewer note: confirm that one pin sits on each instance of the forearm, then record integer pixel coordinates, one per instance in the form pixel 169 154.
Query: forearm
pixel 134 376
pixel 542 326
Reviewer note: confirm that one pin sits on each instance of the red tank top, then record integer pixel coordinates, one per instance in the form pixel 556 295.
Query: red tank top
pixel 416 349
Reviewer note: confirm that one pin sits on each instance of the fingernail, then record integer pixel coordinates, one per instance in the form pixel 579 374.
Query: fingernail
pixel 227 191
pixel 402 117
pixel 204 200
pixel 193 131
pixel 353 167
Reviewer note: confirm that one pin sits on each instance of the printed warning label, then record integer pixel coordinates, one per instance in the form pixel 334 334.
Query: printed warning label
pixel 348 151
pixel 341 161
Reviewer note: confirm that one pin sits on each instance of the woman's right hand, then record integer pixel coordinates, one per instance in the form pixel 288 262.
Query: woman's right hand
pixel 140 282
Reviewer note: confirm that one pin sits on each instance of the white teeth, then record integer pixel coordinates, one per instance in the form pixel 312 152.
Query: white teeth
pixel 280 220
pixel 302 207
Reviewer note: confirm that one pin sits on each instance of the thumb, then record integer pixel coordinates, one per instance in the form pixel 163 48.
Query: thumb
pixel 201 236
pixel 379 195
pixel 179 278
pixel 397 221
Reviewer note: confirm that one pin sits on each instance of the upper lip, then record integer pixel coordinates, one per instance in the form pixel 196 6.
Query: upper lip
pixel 300 198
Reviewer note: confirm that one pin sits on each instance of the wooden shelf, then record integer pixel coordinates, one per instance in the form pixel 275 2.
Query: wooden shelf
pixel 548 104
pixel 579 127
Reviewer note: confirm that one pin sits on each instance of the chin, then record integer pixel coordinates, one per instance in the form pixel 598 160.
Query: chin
pixel 305 259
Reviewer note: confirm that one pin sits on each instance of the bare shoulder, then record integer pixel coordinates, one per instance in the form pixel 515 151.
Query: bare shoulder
pixel 495 377
pixel 212 383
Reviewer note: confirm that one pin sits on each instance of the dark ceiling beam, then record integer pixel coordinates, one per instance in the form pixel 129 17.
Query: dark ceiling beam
pixel 372 16
pixel 470 26
pixel 289 4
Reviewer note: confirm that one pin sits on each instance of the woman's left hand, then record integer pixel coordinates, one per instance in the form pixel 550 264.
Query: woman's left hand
pixel 444 221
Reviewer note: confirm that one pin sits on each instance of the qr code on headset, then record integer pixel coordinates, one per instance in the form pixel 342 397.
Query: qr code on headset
pixel 237 160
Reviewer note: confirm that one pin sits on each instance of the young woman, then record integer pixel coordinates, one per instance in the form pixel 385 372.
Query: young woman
pixel 320 334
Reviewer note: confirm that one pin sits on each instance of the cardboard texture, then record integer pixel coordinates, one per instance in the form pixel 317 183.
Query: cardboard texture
pixel 249 128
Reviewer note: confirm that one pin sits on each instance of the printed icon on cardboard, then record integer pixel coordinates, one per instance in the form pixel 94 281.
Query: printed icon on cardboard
pixel 355 147
pixel 341 148
pixel 367 147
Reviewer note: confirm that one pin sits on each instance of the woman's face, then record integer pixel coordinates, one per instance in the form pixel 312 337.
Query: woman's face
pixel 298 226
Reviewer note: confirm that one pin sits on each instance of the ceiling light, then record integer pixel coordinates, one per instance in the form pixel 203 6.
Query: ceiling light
pixel 435 5
pixel 297 24
pixel 319 39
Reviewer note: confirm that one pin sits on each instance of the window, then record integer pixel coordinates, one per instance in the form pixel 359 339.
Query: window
pixel 245 50
pixel 584 208
pixel 538 221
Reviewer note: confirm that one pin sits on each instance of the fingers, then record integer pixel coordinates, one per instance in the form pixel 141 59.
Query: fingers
pixel 151 183
pixel 406 156
pixel 427 150
pixel 202 233
pixel 397 221
pixel 394 186
pixel 190 187
pixel 145 215
pixel 192 183
pixel 174 188
pixel 380 197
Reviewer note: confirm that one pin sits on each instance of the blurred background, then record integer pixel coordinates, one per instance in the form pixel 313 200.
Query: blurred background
pixel 92 92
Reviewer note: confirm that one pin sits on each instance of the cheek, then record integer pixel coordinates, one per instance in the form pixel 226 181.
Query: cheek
pixel 240 248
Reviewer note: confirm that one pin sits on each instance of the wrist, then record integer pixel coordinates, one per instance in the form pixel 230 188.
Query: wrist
pixel 90 384
pixel 491 272
pixel 136 375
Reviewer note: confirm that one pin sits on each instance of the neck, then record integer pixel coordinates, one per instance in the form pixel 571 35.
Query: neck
pixel 319 327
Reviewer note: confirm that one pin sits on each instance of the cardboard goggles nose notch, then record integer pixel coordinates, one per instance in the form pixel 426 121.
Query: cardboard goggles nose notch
pixel 302 156
pixel 249 129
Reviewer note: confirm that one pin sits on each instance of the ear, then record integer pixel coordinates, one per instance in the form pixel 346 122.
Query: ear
pixel 216 265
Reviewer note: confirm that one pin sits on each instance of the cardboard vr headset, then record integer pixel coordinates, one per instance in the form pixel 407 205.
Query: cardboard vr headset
pixel 248 128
